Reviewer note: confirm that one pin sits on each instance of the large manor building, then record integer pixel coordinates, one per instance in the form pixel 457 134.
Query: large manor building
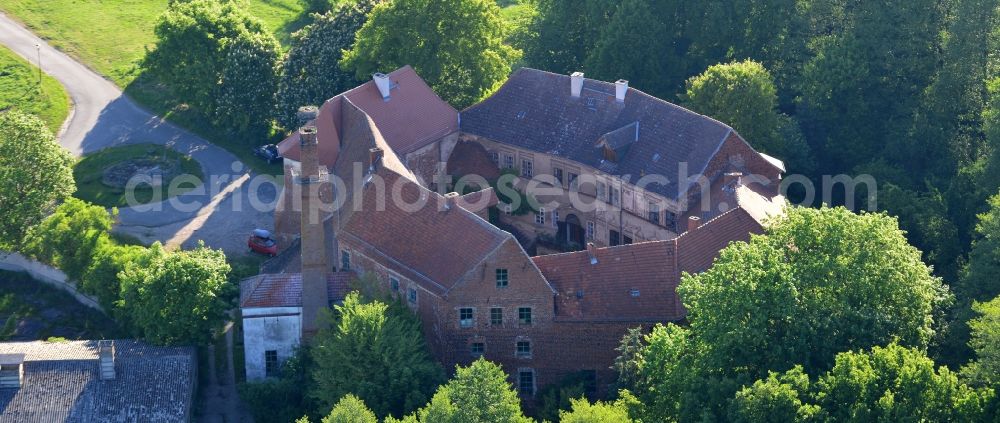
pixel 636 192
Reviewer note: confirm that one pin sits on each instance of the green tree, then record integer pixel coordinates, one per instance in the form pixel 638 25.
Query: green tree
pixel 207 51
pixel 895 383
pixel 565 33
pixel 311 73
pixel 101 277
pixel 284 398
pixel 646 62
pixel 35 175
pixel 350 409
pixel 174 299
pixel 743 95
pixel 457 46
pixel 865 79
pixel 599 412
pixel 377 352
pixel 479 393
pixel 245 94
pixel 985 370
pixel 70 237
pixel 819 282
pixel 781 397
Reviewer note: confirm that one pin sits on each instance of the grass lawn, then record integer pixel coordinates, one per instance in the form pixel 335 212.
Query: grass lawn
pixel 19 89
pixel 111 36
pixel 89 171
pixel 31 310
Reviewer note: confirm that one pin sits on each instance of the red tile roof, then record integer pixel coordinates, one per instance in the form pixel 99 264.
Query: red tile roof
pixel 478 201
pixel 633 282
pixel 285 290
pixel 605 291
pixel 431 246
pixel 413 116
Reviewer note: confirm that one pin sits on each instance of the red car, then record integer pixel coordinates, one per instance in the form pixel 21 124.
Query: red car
pixel 260 241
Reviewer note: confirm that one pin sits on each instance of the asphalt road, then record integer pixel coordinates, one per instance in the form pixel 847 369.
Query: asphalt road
pixel 103 117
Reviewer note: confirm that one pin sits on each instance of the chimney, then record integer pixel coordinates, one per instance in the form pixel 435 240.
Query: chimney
pixel 313 235
pixel 307 114
pixel 11 370
pixel 106 359
pixel 576 84
pixel 450 200
pixel 374 157
pixel 621 86
pixel 383 83
pixel 693 223
pixel 733 178
pixel 592 252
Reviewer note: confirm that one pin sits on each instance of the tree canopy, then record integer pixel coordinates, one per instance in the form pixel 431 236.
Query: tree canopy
pixel 479 393
pixel 457 46
pixel 219 59
pixel 35 175
pixel 817 283
pixel 311 73
pixel 173 298
pixel 891 383
pixel 375 351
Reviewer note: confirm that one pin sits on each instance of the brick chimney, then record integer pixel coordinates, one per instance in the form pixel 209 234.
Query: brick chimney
pixel 592 252
pixel 693 223
pixel 576 84
pixel 383 83
pixel 621 87
pixel 106 359
pixel 313 237
pixel 306 114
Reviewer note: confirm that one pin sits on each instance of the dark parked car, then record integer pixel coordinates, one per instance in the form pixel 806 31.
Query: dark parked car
pixel 260 241
pixel 268 152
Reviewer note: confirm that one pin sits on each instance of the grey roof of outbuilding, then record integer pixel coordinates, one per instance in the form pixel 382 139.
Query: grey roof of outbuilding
pixel 62 384
pixel 534 110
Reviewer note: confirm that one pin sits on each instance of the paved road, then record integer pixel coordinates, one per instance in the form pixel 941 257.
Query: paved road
pixel 103 117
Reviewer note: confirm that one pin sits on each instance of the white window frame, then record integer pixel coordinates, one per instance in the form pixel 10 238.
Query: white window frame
pixel 540 216
pixel 467 322
pixel 591 229
pixel 527 168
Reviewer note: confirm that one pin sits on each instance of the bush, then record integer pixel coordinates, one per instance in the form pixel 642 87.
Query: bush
pixel 70 237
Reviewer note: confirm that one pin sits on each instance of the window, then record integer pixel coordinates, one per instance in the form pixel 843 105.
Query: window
pixel 572 180
pixel 526 168
pixel 495 157
pixel 526 382
pixel 394 284
pixel 557 172
pixel 671 219
pixel 523 349
pixel 507 209
pixel 508 161
pixel 616 198
pixel 590 230
pixel 496 316
pixel 555 218
pixel 345 260
pixel 626 240
pixel 654 213
pixel 477 349
pixel 270 363
pixel 465 317
pixel 502 278
pixel 412 295
pixel 602 191
pixel 540 216
pixel 634 292
pixel 614 238
pixel 524 315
